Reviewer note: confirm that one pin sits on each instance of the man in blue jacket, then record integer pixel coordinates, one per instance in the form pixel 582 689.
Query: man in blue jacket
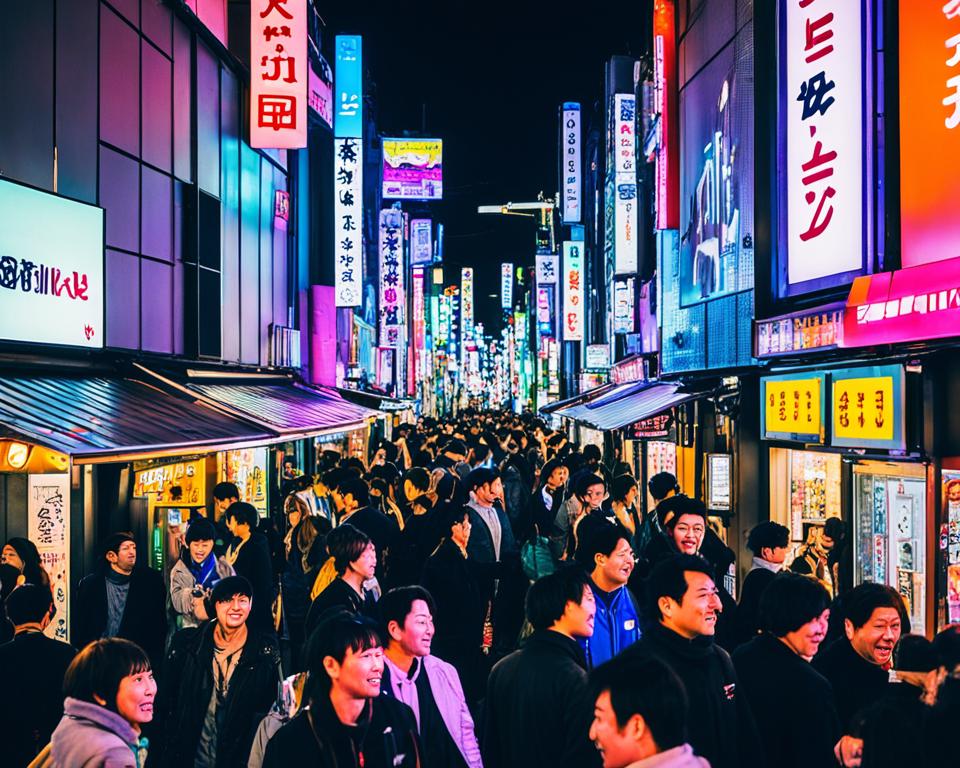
pixel 616 625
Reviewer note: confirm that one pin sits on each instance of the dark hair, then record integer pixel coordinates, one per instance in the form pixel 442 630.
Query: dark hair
pixel 329 459
pixel 333 477
pixel 200 529
pixel 661 484
pixel 114 541
pixel 767 534
pixel 835 529
pixel 479 477
pixel 419 478
pixel 947 646
pixel 686 506
pixel 226 589
pixel 603 540
pixel 668 579
pixel 790 601
pixel 548 469
pixel 387 472
pixel 357 488
pixel 864 599
pixel 337 632
pixel 645 686
pixel 584 481
pixel 224 491
pixel 456 447
pixel 397 603
pixel 621 486
pixel 100 667
pixel 33 570
pixel 27 603
pixel 450 488
pixel 449 516
pixel 243 512
pixel 353 465
pixel 591 453
pixel 389 449
pixel 547 597
pixel 914 653
pixel 346 543
pixel 480 452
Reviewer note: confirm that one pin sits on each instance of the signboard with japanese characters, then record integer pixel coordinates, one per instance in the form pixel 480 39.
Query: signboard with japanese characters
pixel 570 162
pixel 793 407
pixel 547 269
pixel 392 290
pixel 421 241
pixel 348 221
pixel 573 291
pixel 51 268
pixel 822 124
pixel 665 105
pixel 868 407
pixel 598 357
pixel 625 224
pixel 800 332
pixel 48 526
pixel 625 133
pixel 413 169
pixel 279 74
pixel 659 425
pixel 506 285
pixel 466 299
pixel 624 305
pixel 545 303
pixel 348 82
pixel 320 91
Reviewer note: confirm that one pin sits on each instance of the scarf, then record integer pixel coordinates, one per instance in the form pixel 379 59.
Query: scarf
pixel 204 573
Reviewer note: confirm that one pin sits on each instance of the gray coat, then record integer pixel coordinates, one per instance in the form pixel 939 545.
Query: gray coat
pixel 91 736
pixel 180 602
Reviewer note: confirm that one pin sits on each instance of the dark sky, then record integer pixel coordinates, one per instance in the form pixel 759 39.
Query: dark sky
pixel 491 76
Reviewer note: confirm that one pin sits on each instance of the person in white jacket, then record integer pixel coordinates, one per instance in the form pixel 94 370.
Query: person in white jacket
pixel 194 575
pixel 640 716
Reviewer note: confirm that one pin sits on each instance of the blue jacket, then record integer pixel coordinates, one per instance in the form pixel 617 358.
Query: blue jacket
pixel 615 626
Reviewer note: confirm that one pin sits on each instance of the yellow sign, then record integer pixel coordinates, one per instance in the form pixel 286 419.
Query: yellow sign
pixel 180 484
pixel 793 407
pixel 864 409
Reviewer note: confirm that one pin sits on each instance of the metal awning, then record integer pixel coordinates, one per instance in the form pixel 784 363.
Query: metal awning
pixel 102 418
pixel 583 397
pixel 375 400
pixel 629 403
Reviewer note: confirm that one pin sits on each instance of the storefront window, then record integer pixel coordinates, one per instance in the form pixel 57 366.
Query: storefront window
pixel 951 516
pixel 661 457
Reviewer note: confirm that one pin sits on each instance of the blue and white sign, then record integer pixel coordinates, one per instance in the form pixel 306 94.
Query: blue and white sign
pixel 570 162
pixel 506 285
pixel 348 100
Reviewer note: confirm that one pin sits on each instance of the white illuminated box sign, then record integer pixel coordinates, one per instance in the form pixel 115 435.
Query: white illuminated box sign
pixel 573 291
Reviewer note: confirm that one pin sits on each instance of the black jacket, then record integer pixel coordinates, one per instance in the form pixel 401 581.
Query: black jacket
pixel 721 725
pixel 891 729
pixel 538 709
pixel 339 594
pixel 748 609
pixel 255 564
pixel 856 682
pixel 188 685
pixel 316 738
pixel 383 532
pixel 144 616
pixel 31 668
pixel 791 702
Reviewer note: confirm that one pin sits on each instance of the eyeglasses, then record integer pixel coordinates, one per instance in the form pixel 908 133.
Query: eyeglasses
pixel 683 529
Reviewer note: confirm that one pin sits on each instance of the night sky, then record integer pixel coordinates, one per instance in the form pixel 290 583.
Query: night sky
pixel 491 77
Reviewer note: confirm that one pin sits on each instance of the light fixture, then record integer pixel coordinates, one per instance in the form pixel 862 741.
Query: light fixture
pixel 17 455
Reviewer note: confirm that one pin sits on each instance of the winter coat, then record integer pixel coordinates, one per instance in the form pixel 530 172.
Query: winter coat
pixel 144 619
pixel 615 626
pixel 182 581
pixel 748 609
pixel 891 729
pixel 678 757
pixel 538 709
pixel 516 492
pixel 91 736
pixel 383 532
pixel 720 724
pixel 339 594
pixel 791 702
pixel 856 682
pixel 188 685
pixel 254 562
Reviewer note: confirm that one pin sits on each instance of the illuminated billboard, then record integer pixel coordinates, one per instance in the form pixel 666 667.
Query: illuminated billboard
pixel 413 169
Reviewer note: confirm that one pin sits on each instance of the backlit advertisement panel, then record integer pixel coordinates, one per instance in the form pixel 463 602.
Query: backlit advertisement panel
pixel 665 104
pixel 421 241
pixel 348 80
pixel 570 162
pixel 280 73
pixel 547 267
pixel 573 291
pixel 348 221
pixel 466 299
pixel 413 169
pixel 392 290
pixel 506 285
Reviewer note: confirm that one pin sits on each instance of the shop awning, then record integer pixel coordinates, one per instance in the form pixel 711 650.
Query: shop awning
pixel 97 419
pixel 376 401
pixel 628 403
pixel 583 397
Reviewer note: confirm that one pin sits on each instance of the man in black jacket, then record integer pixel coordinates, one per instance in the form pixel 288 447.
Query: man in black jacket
pixel 538 708
pixel 683 606
pixel 249 554
pixel 355 559
pixel 121 599
pixel 220 680
pixel 768 542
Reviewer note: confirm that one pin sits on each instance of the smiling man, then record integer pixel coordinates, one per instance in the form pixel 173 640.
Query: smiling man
pixel 684 602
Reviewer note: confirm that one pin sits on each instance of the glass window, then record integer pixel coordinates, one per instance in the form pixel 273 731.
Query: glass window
pixel 119 83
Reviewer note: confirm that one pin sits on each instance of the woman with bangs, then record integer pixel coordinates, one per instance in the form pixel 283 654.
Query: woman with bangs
pixel 110 691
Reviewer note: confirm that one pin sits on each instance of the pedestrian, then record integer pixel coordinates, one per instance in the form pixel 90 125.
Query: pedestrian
pixel 857 665
pixel 224 495
pixel 354 558
pixel 22 554
pixel 425 683
pixel 623 495
pixel 944 712
pixel 249 554
pixel 813 557
pixel 421 534
pixel 194 575
pixel 122 599
pixel 538 707
pixel 640 716
pixel 803 729
pixel 110 692
pixel 683 605
pixel 352 497
pixel 768 542
pixel 32 666
pixel 609 557
pixel 590 490
pixel 220 681
pixel 545 503
pixel 347 723
pixel 307 542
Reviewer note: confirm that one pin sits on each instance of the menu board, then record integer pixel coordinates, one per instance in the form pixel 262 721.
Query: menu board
pixel 719 481
pixel 181 484
pixel 48 526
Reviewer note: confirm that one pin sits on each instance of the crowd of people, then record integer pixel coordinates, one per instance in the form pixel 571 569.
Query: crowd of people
pixel 483 593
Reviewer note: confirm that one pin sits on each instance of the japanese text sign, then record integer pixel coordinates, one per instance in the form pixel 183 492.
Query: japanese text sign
pixel 625 222
pixel 506 285
pixel 466 298
pixel 598 356
pixel 392 290
pixel 421 241
pixel 658 425
pixel 413 169
pixel 867 407
pixel 570 162
pixel 48 526
pixel 348 221
pixel 279 74
pixel 822 118
pixel 547 269
pixel 929 130
pixel 625 133
pixel 545 303
pixel 665 104
pixel 320 92
pixel 793 408
pixel 51 268
pixel 624 305
pixel 573 291
pixel 348 87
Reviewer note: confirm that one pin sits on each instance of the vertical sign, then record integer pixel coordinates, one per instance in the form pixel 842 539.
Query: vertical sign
pixel 466 294
pixel 419 325
pixel 348 221
pixel 392 296
pixel 823 111
pixel 545 312
pixel 506 285
pixel 624 311
pixel 625 184
pixel 279 74
pixel 625 133
pixel 421 241
pixel 929 131
pixel 572 291
pixel 665 105
pixel 48 526
pixel 348 117
pixel 548 265
pixel 570 162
